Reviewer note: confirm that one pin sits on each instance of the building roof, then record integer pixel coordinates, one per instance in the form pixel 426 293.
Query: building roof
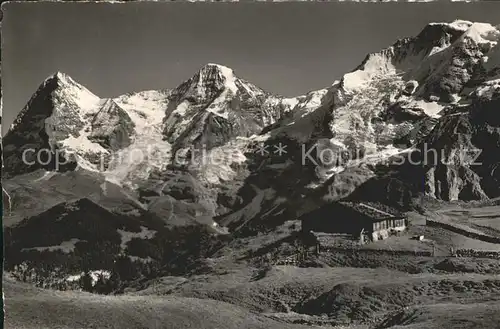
pixel 375 211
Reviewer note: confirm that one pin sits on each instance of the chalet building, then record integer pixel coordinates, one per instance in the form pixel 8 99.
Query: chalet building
pixel 356 218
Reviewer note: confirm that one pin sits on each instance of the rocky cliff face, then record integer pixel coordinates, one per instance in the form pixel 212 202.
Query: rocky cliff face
pixel 459 155
pixel 466 145
pixel 30 131
pixel 111 127
pixel 437 92
pixel 64 125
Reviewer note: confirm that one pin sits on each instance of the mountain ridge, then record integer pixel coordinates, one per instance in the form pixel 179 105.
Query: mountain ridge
pixel 386 107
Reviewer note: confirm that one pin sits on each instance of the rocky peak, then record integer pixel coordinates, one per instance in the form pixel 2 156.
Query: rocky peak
pixel 440 50
pixel 63 79
pixel 440 34
pixel 112 127
pixel 212 81
pixel 37 105
pixel 52 114
pixel 206 84
pixel 219 75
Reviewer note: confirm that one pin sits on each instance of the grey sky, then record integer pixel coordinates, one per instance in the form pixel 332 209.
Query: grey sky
pixel 285 48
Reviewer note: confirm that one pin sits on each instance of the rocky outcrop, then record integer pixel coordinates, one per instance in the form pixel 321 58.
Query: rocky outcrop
pixel 403 111
pixel 112 127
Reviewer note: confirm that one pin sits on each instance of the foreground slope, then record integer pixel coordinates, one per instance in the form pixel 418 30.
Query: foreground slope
pixel 30 308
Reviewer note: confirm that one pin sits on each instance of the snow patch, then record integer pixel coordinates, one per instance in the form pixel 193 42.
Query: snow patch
pixel 278 202
pixel 126 236
pixel 65 246
pixel 377 65
pixel 72 99
pixel 217 165
pixel 437 49
pixel 94 276
pixel 260 138
pixel 181 109
pixel 290 102
pixel 253 208
pixel 141 259
pixel 488 89
pixel 83 97
pixel 148 150
pixel 104 188
pixel 492 61
pixel 217 107
pixel 311 101
pixel 458 25
pixel 9 200
pixel 74 278
pixel 145 108
pixel 83 144
pixel 250 91
pixel 46 176
pixel 482 33
pixel 432 109
pixel 229 77
pixel 384 154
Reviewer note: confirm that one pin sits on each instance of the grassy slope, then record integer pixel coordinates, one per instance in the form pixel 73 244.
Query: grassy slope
pixel 446 315
pixel 31 308
pixel 36 192
pixel 344 294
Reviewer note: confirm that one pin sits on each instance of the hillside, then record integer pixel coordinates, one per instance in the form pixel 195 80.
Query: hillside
pixel 30 308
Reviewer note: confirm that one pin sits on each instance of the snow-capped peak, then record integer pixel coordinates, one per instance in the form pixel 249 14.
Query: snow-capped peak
pixel 479 32
pixel 458 25
pixel 429 52
pixel 68 90
pixel 212 72
pixel 218 67
pixel 64 80
pixel 62 76
pixel 213 66
pixel 483 33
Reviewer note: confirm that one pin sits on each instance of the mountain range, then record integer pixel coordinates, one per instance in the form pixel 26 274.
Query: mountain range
pixel 220 152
